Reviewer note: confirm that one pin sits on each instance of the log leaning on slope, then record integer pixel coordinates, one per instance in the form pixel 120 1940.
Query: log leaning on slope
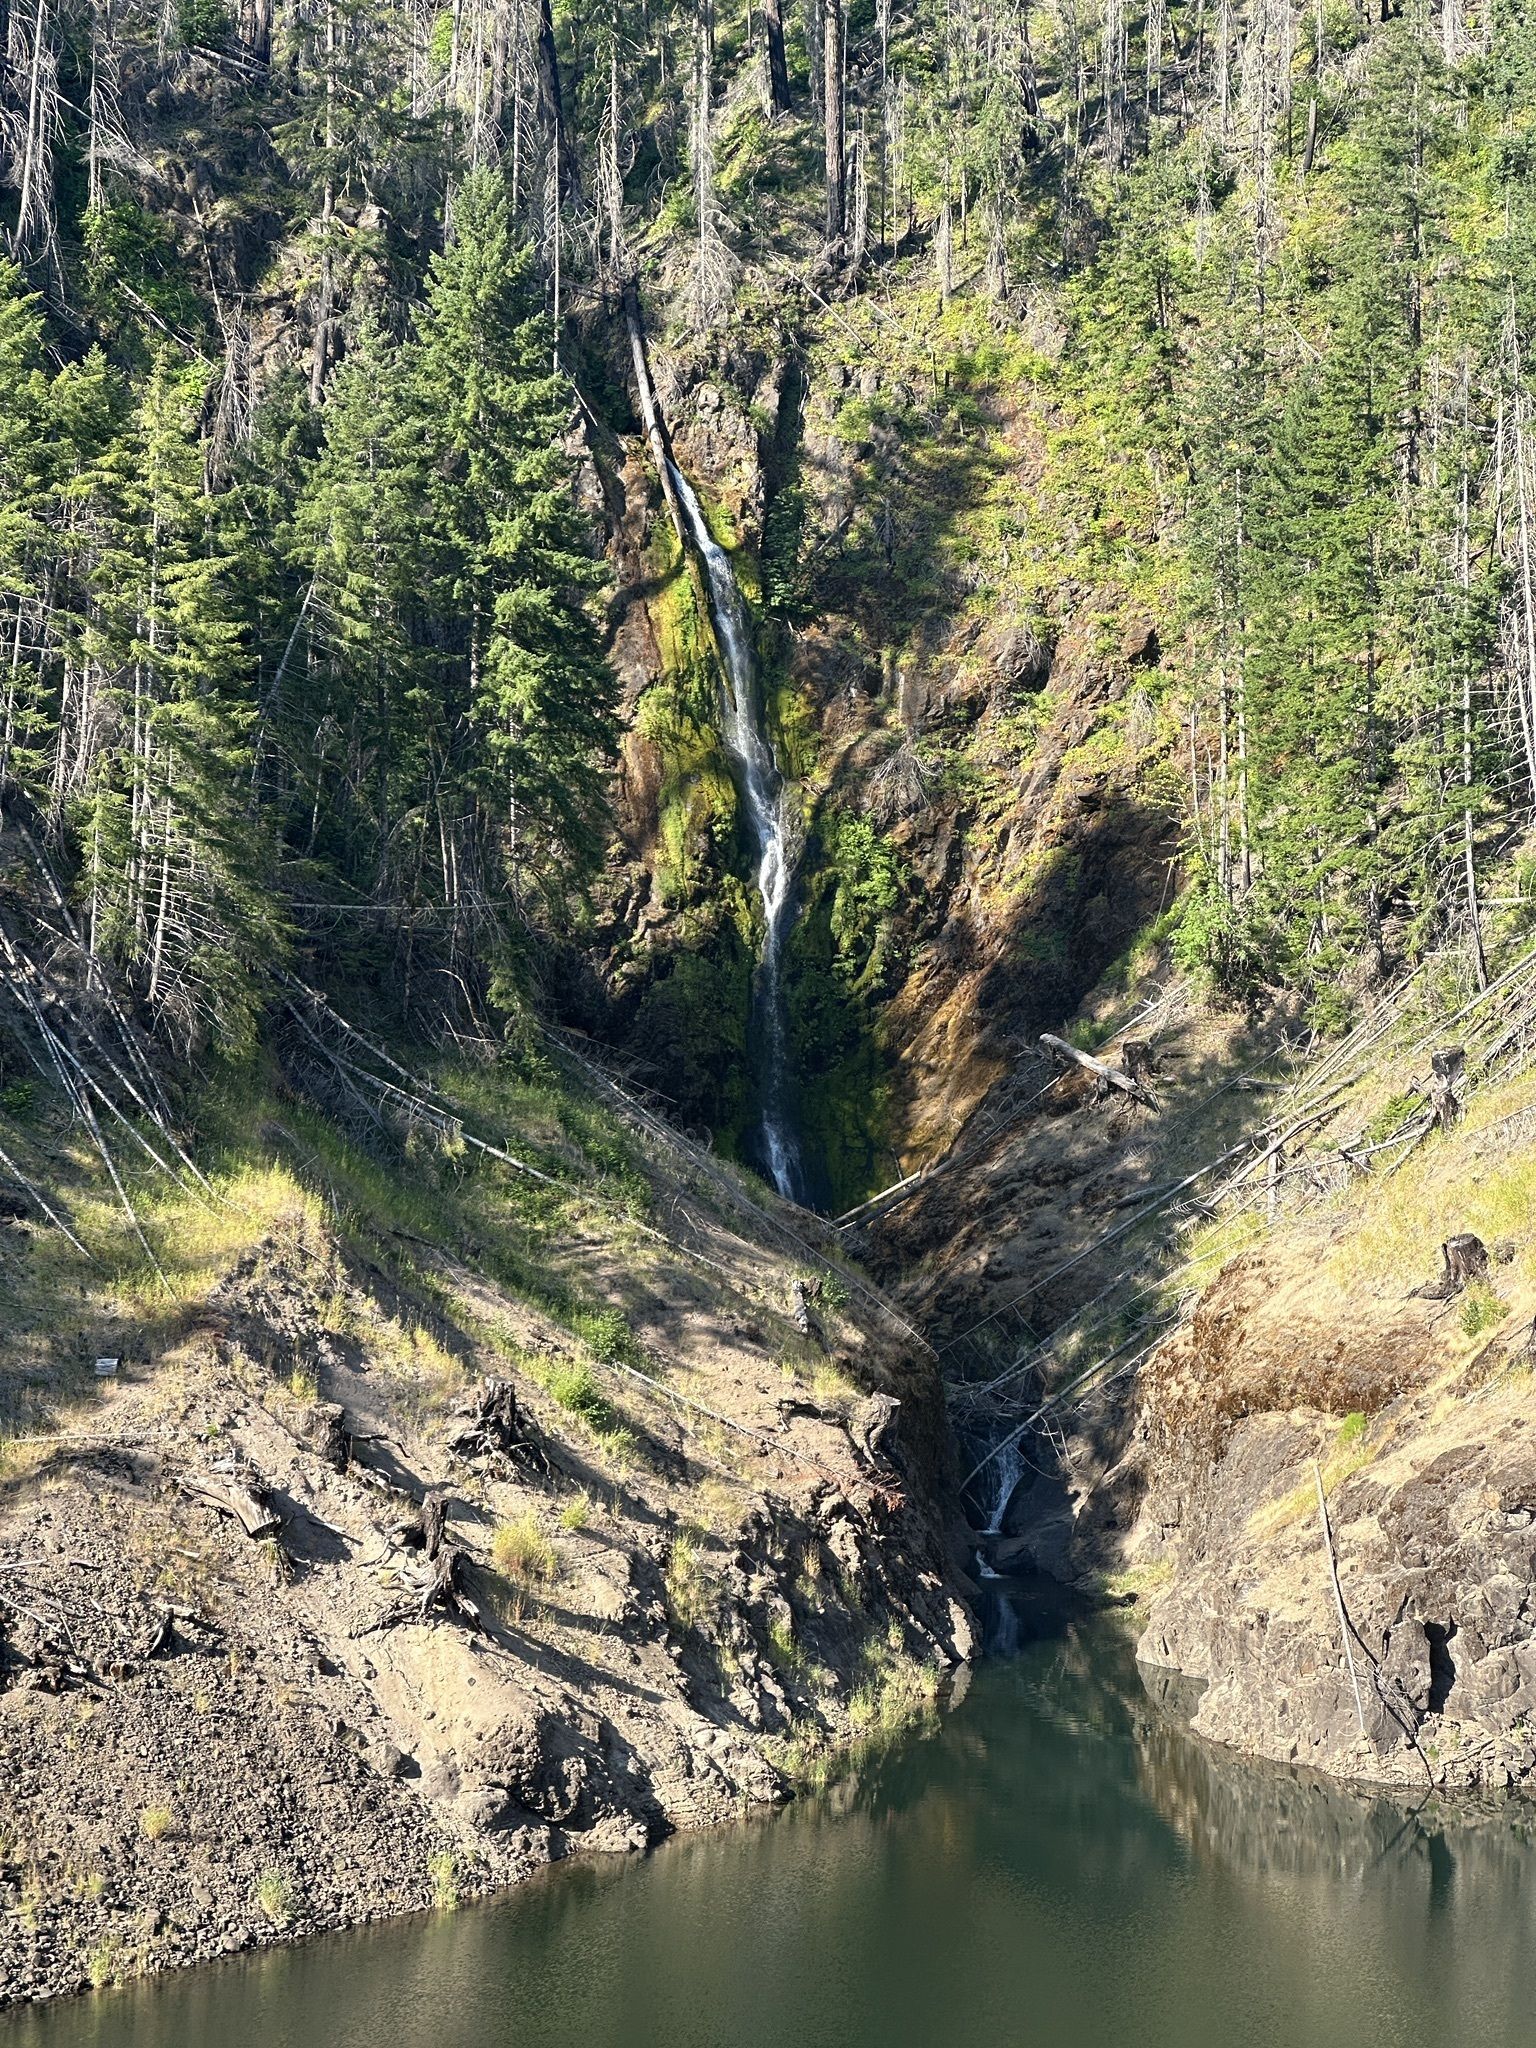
pixel 1105 1076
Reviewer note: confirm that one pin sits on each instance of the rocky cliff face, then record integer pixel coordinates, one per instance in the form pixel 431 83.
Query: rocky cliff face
pixel 971 733
pixel 1424 1439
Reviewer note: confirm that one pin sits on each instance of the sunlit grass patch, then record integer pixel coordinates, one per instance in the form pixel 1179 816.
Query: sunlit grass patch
pixel 522 1552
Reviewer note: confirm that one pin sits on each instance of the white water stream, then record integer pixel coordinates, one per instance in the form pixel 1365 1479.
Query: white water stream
pixel 1010 1470
pixel 762 791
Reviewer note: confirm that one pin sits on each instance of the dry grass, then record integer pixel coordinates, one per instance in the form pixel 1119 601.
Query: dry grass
pixel 521 1552
pixel 1479 1177
pixel 690 1594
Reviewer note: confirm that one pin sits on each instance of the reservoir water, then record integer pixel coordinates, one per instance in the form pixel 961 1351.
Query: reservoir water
pixel 1060 1865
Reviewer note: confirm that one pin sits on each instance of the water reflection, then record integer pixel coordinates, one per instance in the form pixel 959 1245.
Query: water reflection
pixel 1062 1864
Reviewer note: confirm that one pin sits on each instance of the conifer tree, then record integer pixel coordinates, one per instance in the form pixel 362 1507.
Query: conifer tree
pixel 510 552
pixel 172 866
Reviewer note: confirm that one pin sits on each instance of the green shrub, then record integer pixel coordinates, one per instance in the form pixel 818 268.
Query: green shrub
pixel 1481 1308
pixel 277 1896
pixel 443 1869
pixel 202 23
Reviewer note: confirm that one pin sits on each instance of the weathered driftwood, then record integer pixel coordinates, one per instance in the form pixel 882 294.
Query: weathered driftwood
pixel 246 1505
pixel 1105 1076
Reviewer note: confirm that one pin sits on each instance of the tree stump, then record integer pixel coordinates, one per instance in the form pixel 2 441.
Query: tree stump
pixel 807 1322
pixel 1466 1259
pixel 1105 1076
pixel 873 1426
pixel 325 1428
pixel 491 1425
pixel 1138 1056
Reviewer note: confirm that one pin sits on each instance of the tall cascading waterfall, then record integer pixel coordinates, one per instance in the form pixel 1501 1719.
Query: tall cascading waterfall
pixel 762 791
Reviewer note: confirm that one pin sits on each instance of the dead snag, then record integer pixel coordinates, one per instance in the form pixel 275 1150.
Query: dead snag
pixel 246 1505
pixel 1445 1070
pixel 1105 1076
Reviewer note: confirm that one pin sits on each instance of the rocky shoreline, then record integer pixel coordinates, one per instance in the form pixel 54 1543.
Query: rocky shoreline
pixel 216 1740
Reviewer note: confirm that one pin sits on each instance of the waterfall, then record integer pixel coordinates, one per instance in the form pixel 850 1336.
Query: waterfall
pixel 762 791
pixel 1010 1470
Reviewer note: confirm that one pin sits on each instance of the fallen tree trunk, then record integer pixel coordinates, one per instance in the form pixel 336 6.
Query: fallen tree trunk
pixel 1106 1076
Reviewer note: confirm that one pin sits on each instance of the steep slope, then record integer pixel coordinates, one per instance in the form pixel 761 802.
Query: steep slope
pixel 695 1551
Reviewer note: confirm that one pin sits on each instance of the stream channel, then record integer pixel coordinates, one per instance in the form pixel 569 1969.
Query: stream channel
pixel 1057 1862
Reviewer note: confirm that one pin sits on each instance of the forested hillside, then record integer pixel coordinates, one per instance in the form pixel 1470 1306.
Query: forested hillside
pixel 1192 340
pixel 606 613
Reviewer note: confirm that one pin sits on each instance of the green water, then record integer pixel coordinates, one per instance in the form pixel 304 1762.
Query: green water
pixel 1061 1865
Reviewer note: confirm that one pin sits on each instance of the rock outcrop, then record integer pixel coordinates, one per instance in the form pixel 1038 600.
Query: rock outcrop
pixel 1424 1443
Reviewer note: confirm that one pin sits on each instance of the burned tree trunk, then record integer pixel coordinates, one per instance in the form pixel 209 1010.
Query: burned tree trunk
pixel 1466 1260
pixel 326 1429
pixel 445 1588
pixel 425 1529
pixel 552 103
pixel 778 66
pixel 491 1426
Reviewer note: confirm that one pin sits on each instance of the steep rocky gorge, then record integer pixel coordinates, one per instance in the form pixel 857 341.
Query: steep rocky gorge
pixel 986 822
pixel 1012 766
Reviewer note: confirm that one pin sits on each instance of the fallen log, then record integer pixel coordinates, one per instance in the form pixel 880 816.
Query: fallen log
pixel 1105 1076
pixel 243 1504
